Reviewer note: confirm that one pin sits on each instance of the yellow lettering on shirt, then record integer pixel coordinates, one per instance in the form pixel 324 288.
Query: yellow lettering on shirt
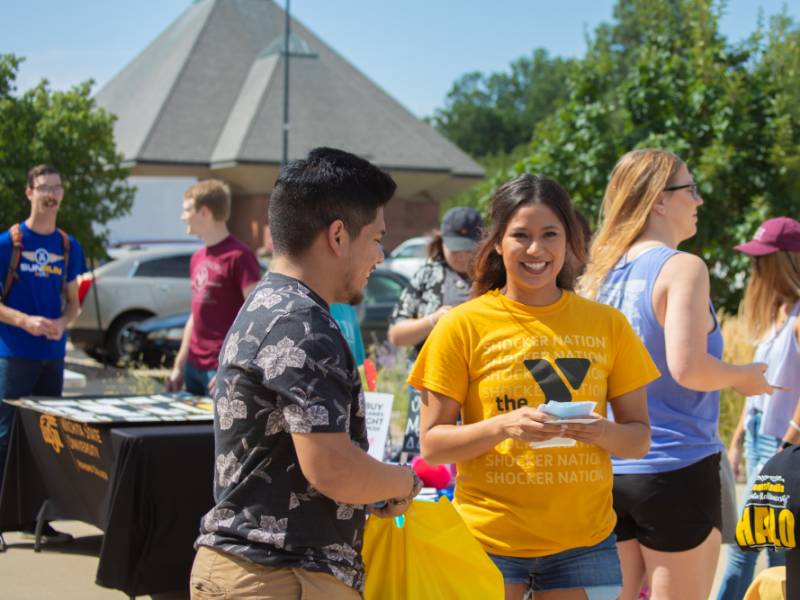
pixel 766 526
pixel 494 359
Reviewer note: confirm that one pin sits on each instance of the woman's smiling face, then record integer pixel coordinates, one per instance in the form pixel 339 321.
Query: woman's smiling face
pixel 533 248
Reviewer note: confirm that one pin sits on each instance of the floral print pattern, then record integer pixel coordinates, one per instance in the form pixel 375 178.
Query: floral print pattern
pixel 218 517
pixel 293 418
pixel 231 348
pixel 284 368
pixel 230 406
pixel 274 360
pixel 228 469
pixel 272 531
pixel 264 298
pixel 424 294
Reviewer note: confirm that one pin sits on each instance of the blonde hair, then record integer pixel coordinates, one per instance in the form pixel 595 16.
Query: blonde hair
pixel 214 195
pixel 774 281
pixel 636 182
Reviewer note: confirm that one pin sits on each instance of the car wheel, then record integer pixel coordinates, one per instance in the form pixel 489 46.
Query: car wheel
pixel 117 345
pixel 95 352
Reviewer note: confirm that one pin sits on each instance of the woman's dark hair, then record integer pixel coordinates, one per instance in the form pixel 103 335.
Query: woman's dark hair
pixel 489 272
pixel 436 246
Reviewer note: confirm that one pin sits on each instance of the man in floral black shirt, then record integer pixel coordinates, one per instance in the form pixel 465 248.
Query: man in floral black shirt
pixel 292 476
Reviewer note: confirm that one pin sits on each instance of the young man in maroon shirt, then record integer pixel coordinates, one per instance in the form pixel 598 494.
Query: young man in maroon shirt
pixel 222 272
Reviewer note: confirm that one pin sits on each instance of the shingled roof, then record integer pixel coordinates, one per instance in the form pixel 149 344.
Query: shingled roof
pixel 208 93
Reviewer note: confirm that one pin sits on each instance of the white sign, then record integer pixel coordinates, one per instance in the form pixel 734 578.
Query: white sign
pixel 379 414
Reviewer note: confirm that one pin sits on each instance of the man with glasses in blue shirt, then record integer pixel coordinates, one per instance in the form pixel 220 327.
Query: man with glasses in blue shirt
pixel 39 264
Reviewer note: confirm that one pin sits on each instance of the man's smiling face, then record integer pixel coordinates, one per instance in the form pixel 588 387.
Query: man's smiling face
pixel 46 194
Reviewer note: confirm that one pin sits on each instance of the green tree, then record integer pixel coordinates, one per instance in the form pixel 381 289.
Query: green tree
pixel 490 115
pixel 69 131
pixel 663 76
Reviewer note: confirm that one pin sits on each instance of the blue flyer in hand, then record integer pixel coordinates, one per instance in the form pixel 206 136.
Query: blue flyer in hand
pixel 568 410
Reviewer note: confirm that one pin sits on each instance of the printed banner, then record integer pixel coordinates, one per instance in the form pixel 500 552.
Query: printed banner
pixel 379 416
pixel 411 433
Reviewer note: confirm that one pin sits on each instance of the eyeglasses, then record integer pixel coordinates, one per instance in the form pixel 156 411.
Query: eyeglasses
pixel 691 186
pixel 49 189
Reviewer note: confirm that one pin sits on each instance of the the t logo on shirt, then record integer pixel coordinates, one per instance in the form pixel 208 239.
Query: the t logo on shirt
pixel 554 388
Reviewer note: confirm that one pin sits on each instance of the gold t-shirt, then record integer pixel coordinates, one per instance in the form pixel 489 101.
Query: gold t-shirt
pixel 493 355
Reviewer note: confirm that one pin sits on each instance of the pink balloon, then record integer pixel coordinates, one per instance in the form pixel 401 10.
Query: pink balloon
pixel 435 476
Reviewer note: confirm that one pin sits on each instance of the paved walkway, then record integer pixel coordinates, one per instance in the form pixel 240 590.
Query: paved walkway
pixel 60 571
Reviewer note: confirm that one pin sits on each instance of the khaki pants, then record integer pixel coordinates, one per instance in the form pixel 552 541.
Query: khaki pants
pixel 217 575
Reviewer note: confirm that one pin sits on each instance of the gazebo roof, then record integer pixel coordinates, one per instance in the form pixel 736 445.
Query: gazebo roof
pixel 207 94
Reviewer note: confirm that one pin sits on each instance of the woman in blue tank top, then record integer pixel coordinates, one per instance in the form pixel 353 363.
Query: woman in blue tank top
pixel 770 311
pixel 668 503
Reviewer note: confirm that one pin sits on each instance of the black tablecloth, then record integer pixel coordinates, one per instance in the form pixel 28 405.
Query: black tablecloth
pixel 146 488
pixel 162 485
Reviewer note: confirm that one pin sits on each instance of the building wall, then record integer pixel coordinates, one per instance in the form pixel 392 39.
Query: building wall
pixel 156 211
pixel 409 218
pixel 157 208
pixel 404 219
pixel 248 220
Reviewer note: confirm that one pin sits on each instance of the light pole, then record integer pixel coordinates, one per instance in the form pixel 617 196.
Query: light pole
pixel 286 56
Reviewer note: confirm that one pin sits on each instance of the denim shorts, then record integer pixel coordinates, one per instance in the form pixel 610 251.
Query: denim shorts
pixel 593 568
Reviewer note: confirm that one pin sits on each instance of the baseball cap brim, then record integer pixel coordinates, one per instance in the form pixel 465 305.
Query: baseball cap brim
pixel 755 248
pixel 456 243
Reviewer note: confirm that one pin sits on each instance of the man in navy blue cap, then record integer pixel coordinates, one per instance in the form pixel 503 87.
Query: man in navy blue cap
pixel 461 229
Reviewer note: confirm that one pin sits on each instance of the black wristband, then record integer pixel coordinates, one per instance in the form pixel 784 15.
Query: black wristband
pixel 785 445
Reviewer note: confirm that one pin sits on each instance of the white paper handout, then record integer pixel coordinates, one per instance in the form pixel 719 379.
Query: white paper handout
pixel 568 412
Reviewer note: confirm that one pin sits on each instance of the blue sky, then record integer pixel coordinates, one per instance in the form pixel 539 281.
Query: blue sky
pixel 413 49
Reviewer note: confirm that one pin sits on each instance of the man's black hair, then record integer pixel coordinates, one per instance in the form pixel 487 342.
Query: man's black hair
pixel 312 193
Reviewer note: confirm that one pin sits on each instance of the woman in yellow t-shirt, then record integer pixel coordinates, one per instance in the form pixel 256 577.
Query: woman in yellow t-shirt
pixel 536 493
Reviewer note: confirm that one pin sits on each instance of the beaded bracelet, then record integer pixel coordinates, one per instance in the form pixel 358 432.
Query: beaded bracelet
pixel 416 486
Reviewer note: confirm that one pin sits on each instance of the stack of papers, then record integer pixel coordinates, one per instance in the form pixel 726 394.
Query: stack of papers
pixel 567 412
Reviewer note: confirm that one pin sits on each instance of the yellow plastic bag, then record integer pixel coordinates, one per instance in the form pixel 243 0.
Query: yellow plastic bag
pixel 433 556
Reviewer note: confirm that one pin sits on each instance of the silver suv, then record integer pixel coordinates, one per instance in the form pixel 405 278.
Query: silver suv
pixel 138 283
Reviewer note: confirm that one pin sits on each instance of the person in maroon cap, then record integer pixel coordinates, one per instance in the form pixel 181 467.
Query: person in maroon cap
pixel 771 308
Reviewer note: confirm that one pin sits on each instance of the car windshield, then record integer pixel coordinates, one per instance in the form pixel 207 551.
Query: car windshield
pixel 381 288
pixel 416 250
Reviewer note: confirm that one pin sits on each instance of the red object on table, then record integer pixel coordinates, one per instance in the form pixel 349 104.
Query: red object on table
pixel 435 476
pixel 371 373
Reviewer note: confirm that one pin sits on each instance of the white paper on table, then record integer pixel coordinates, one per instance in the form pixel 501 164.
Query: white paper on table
pixel 176 411
pixel 136 400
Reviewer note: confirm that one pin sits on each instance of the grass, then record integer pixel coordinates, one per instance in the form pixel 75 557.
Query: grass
pixel 392 364
pixel 738 350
